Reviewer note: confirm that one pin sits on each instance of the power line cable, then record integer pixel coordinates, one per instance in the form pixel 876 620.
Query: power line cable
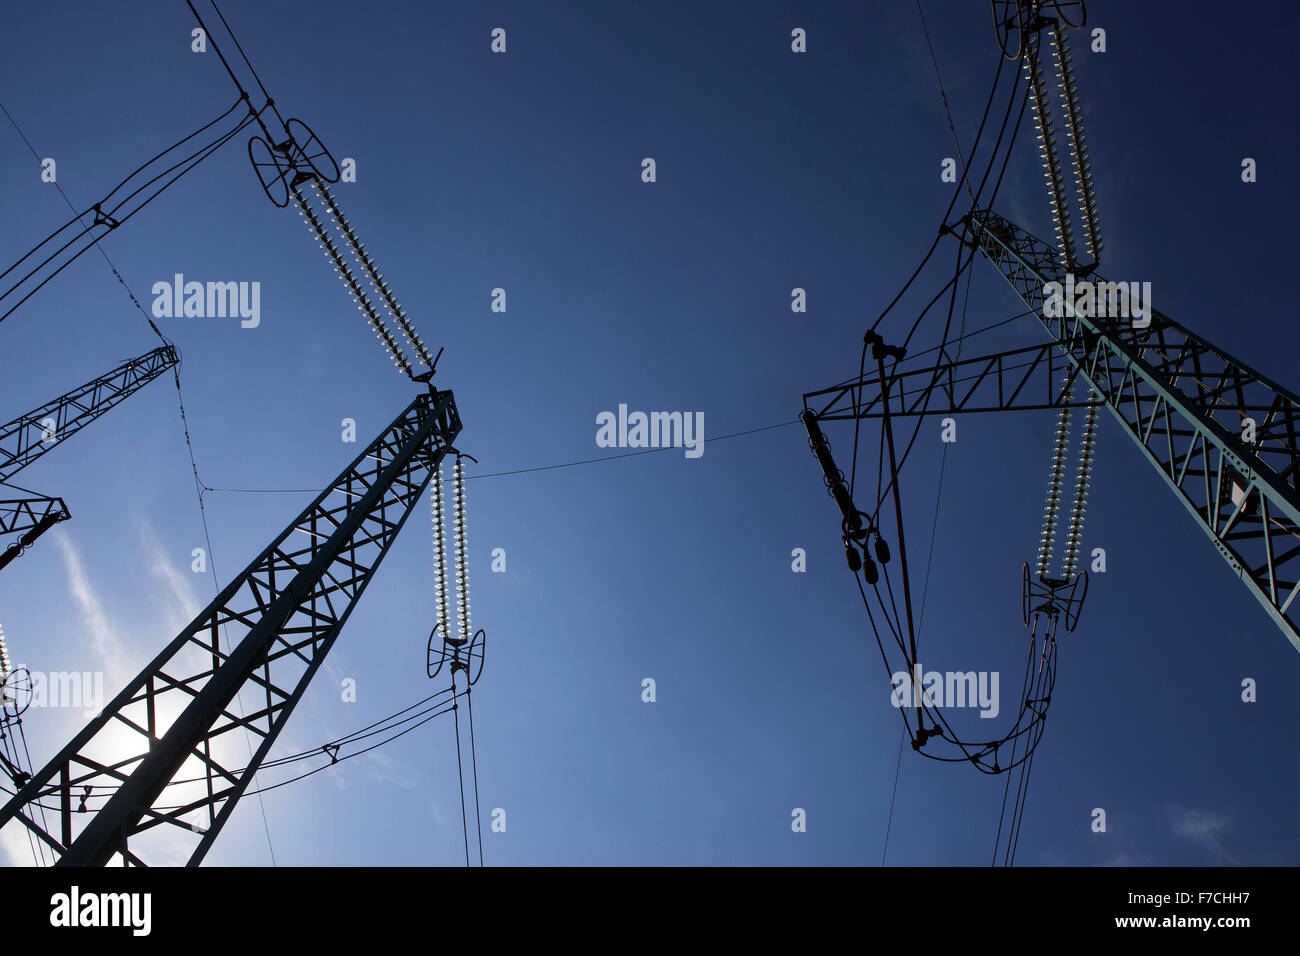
pixel 329 749
pixel 898 766
pixel 460 769
pixel 108 217
pixel 473 753
pixel 943 94
pixel 517 471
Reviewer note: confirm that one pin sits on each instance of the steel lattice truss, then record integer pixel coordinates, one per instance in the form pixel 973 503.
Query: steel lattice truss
pixel 1184 401
pixel 24 514
pixel 27 437
pixel 31 518
pixel 1028 379
pixel 162 752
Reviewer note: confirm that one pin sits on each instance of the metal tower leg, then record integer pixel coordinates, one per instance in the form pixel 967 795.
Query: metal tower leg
pixel 160 752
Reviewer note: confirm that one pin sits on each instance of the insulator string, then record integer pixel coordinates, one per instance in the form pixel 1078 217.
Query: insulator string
pixel 1074 532
pixel 1078 145
pixel 4 658
pixel 1049 155
pixel 373 275
pixel 440 552
pixel 358 294
pixel 462 554
pixel 1056 477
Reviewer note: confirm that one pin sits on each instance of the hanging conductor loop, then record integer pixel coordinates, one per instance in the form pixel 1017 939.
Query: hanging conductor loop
pixel 858 526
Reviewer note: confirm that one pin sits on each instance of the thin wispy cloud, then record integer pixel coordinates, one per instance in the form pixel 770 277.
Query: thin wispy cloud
pixel 103 638
pixel 17 849
pixel 1203 828
pixel 106 642
pixel 183 606
pixel 383 769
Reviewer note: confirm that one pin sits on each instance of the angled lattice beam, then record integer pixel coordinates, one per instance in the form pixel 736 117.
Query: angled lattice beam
pixel 161 754
pixel 29 436
pixel 30 518
pixel 26 514
pixel 1186 403
pixel 1019 380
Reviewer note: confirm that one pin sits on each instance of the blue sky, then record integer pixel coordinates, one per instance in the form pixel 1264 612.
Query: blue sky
pixel 775 170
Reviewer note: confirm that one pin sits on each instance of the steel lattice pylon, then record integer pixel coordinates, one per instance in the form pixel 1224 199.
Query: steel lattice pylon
pixel 151 757
pixel 1184 402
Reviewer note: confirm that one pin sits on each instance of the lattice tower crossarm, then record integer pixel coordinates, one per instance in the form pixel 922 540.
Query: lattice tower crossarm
pixel 28 436
pixel 1185 402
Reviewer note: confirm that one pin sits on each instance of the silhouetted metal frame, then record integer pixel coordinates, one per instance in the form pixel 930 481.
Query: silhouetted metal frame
pixel 21 441
pixel 281 615
pixel 24 514
pixel 30 518
pixel 1184 402
pixel 1024 379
